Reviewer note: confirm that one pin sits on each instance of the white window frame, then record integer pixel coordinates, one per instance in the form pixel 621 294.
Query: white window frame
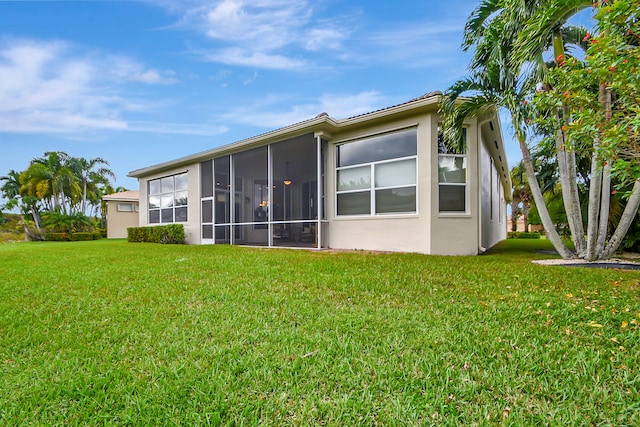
pixel 172 194
pixel 372 189
pixel 121 206
pixel 465 184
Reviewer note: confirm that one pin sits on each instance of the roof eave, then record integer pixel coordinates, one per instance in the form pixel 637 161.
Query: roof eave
pixel 321 122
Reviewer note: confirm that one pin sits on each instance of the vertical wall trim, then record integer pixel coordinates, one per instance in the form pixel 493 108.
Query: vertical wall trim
pixel 232 200
pixel 270 195
pixel 319 190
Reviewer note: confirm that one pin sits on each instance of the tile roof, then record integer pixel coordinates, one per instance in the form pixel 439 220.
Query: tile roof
pixel 123 195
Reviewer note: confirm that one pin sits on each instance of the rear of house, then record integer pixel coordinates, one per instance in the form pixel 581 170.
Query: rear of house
pixel 378 181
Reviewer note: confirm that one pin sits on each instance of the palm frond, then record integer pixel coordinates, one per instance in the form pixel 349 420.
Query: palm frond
pixel 477 22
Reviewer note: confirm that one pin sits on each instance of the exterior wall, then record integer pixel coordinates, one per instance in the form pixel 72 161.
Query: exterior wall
pixel 493 209
pixel 405 232
pixel 456 233
pixel 192 226
pixel 117 221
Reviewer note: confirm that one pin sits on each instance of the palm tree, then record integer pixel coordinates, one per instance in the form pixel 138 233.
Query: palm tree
pixel 521 192
pixel 496 84
pixel 90 174
pixel 12 190
pixel 512 35
pixel 52 180
pixel 544 26
pixel 11 187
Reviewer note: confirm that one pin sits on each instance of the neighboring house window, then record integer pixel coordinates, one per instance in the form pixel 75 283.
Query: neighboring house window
pixel 377 175
pixel 125 207
pixel 168 199
pixel 452 179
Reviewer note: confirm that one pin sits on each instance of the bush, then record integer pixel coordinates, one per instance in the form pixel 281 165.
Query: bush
pixel 168 234
pixel 523 235
pixel 57 237
pixel 73 237
pixel 84 236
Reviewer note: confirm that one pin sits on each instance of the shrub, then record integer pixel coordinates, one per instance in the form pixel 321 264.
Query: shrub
pixel 57 237
pixel 523 235
pixel 168 234
pixel 83 236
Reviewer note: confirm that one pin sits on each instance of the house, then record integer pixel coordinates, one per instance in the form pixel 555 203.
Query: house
pixel 378 181
pixel 122 213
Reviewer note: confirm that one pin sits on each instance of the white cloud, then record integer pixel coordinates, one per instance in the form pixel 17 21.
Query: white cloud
pixel 270 112
pixel 177 128
pixel 125 69
pixel 255 59
pixel 297 35
pixel 318 39
pixel 270 34
pixel 265 24
pixel 49 87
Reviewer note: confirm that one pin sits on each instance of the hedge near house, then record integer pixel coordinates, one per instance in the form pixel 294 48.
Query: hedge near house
pixel 168 234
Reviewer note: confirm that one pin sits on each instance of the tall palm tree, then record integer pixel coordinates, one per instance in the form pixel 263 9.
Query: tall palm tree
pixel 11 187
pixel 496 84
pixel 90 173
pixel 52 180
pixel 12 190
pixel 521 192
pixel 513 35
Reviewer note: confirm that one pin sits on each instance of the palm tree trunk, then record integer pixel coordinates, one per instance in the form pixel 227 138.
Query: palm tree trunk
pixel 594 204
pixel 605 202
pixel 574 201
pixel 84 198
pixel 514 214
pixel 550 228
pixel 36 217
pixel 629 214
pixel 569 193
pixel 596 188
pixel 567 167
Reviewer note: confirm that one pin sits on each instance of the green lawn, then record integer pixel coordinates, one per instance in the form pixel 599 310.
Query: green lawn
pixel 115 333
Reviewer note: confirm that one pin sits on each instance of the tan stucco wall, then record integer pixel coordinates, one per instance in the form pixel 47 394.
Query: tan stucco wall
pixel 118 222
pixel 453 233
pixel 192 226
pixel 493 227
pixel 409 233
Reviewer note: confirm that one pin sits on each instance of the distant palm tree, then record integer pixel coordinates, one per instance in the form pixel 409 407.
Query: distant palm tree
pixel 52 180
pixel 90 173
pixel 521 195
pixel 11 190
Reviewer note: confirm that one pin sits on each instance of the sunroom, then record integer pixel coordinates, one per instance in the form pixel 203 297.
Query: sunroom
pixel 265 196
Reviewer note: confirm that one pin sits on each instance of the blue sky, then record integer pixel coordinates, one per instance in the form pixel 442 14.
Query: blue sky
pixel 142 82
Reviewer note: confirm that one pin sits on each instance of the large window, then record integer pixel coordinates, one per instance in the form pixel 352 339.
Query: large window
pixel 452 179
pixel 168 199
pixel 377 175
